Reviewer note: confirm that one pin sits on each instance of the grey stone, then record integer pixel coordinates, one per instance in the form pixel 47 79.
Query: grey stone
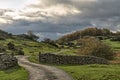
pixel 72 60
pixel 7 60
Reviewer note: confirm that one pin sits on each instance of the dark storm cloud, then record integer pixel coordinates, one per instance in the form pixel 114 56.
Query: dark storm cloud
pixel 89 8
pixel 99 13
pixel 23 26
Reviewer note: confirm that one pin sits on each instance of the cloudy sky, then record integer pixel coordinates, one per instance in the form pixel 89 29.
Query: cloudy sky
pixel 53 18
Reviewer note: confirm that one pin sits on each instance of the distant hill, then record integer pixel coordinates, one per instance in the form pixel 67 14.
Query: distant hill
pixel 86 32
pixel 24 44
pixel 5 35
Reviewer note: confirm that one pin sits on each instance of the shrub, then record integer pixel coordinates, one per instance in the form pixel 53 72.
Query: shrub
pixel 49 41
pixel 20 52
pixel 2 48
pixel 11 46
pixel 94 47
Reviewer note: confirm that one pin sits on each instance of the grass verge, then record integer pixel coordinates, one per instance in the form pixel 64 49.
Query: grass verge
pixel 93 72
pixel 14 73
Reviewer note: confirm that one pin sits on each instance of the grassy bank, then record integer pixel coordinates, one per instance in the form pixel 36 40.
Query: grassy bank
pixel 15 73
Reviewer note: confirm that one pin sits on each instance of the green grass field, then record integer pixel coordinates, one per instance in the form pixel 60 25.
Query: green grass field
pixel 93 72
pixel 80 72
pixel 15 73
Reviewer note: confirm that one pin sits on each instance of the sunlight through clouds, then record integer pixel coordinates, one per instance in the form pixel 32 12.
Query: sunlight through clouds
pixel 12 4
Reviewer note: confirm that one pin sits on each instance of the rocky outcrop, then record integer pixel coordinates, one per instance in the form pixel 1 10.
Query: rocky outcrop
pixel 7 61
pixel 72 60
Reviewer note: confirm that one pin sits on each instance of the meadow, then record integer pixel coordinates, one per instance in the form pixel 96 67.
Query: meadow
pixel 79 72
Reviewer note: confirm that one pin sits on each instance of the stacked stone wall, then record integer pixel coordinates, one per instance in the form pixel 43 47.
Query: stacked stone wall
pixel 73 60
pixel 7 61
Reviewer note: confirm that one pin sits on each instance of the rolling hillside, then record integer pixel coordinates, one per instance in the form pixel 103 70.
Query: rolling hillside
pixel 30 47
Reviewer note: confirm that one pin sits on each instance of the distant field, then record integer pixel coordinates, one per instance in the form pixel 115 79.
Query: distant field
pixel 114 44
pixel 15 73
pixel 93 72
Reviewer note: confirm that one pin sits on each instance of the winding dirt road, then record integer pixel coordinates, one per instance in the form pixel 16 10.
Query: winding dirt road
pixel 42 72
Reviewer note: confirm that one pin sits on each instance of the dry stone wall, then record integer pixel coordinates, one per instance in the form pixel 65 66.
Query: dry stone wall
pixel 7 61
pixel 73 60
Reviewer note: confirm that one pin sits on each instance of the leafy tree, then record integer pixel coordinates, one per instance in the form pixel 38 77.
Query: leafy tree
pixel 49 41
pixel 32 36
pixel 106 32
pixel 11 46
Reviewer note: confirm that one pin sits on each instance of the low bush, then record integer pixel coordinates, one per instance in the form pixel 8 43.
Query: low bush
pixel 20 52
pixel 94 47
pixel 11 46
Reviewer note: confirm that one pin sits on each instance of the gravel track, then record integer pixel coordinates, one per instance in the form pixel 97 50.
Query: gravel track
pixel 42 72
